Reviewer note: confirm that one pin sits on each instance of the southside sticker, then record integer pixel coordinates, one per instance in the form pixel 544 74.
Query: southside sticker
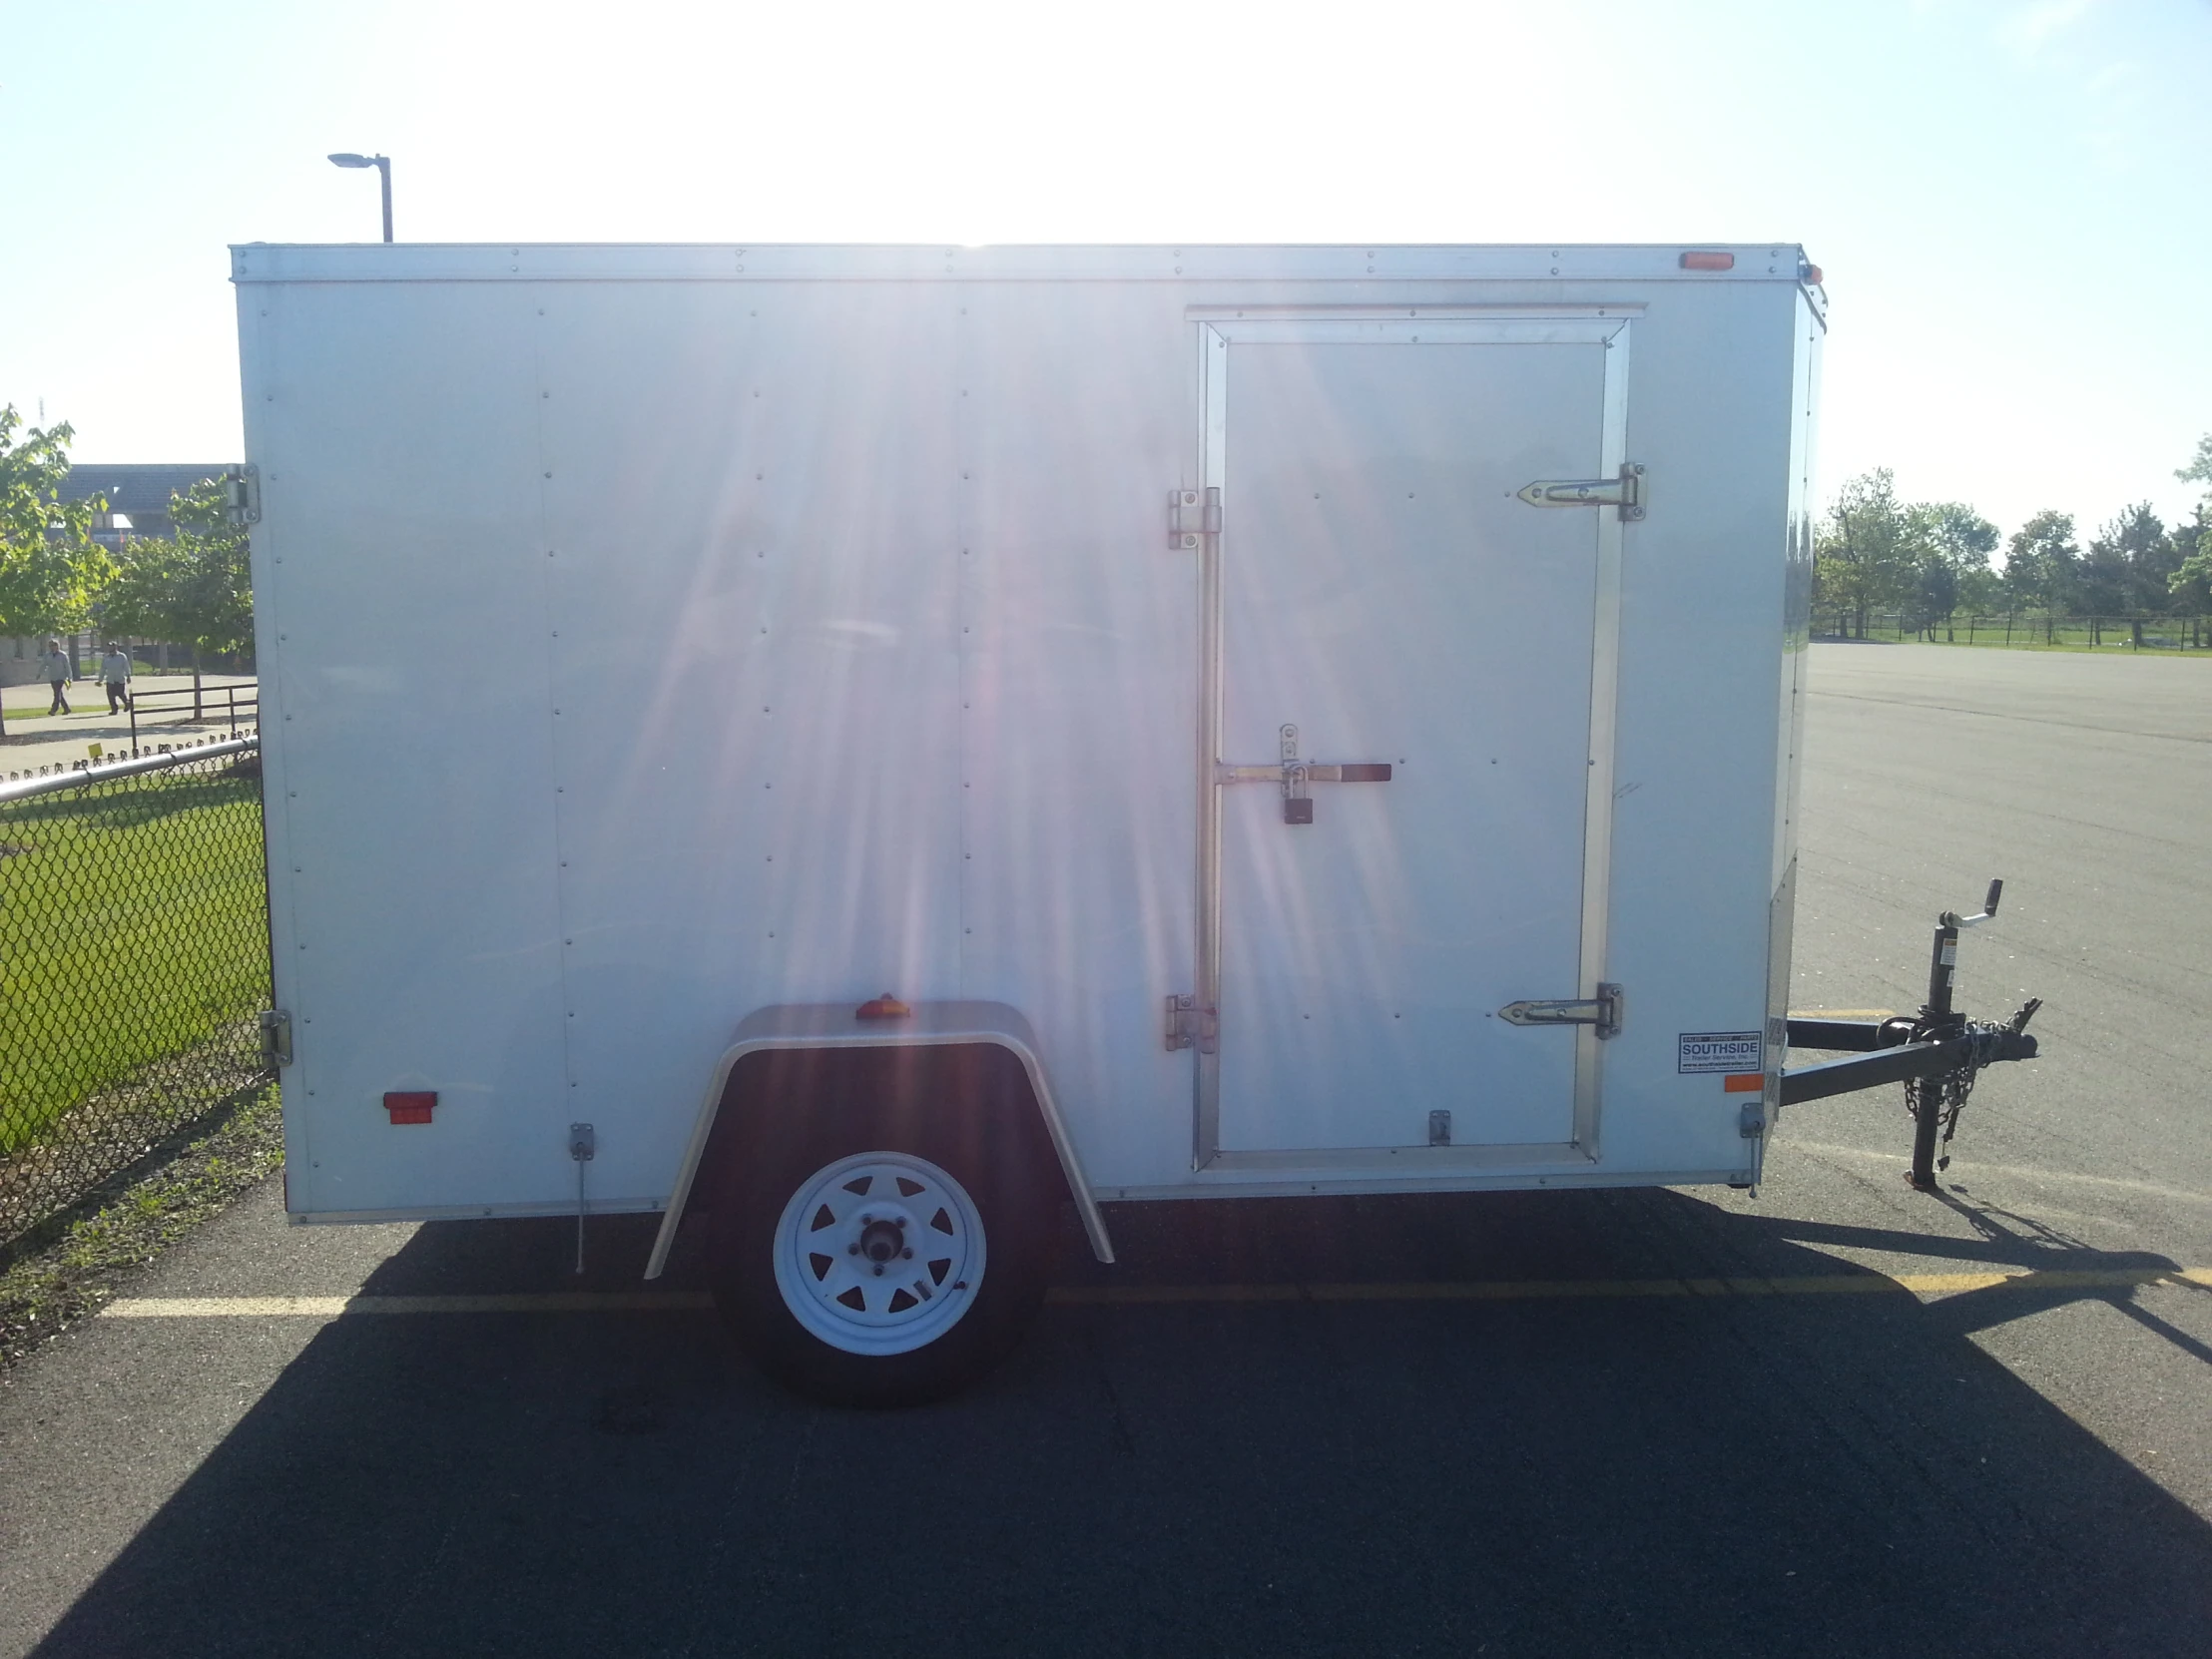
pixel 1699 1051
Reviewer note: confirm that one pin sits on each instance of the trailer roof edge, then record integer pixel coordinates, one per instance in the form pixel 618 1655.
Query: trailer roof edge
pixel 1376 263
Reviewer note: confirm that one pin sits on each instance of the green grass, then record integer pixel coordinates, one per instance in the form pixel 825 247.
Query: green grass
pixel 2108 649
pixel 94 700
pixel 1983 642
pixel 2067 635
pixel 20 712
pixel 132 927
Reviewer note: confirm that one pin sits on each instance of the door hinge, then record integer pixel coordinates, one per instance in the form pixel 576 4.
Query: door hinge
pixel 241 493
pixel 1603 1011
pixel 1190 1026
pixel 1625 492
pixel 1193 515
pixel 275 1038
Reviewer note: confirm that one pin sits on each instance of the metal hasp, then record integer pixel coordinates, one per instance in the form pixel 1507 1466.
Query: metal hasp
pixel 1936 1053
pixel 1193 515
pixel 1294 774
pixel 1604 1011
pixel 1625 492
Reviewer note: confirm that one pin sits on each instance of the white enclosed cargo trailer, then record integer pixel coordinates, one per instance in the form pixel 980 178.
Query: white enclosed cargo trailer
pixel 1244 721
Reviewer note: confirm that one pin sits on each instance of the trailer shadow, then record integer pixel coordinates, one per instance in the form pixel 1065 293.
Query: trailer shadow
pixel 1685 1472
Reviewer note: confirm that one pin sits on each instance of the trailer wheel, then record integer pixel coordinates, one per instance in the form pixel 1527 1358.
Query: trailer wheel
pixel 863 1274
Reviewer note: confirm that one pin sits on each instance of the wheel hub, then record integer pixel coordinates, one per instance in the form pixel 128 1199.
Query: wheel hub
pixel 883 1239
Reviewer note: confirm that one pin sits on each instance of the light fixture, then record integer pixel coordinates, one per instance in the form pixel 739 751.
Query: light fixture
pixel 382 164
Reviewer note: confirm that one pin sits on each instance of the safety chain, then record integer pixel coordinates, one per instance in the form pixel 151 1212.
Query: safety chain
pixel 1948 1092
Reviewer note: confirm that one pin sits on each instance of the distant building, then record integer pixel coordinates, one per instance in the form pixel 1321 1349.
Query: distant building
pixel 138 496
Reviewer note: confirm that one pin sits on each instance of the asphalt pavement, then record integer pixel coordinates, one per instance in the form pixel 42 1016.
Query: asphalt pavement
pixel 1834 1417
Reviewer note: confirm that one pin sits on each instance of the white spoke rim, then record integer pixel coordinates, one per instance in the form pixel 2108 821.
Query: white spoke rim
pixel 887 1211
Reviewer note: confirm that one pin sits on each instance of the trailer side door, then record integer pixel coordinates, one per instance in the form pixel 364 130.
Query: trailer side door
pixel 1411 733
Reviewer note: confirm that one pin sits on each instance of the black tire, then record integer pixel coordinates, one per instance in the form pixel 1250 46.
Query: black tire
pixel 968 1111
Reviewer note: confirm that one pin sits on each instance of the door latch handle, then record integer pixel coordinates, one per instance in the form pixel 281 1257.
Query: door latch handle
pixel 1293 776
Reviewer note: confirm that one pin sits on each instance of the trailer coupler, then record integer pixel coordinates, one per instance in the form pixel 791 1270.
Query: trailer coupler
pixel 1936 1053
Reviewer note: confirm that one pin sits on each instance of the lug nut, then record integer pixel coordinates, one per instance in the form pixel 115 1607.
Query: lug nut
pixel 910 1255
pixel 879 1270
pixel 852 1250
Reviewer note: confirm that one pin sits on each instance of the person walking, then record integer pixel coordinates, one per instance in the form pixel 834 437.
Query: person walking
pixel 115 669
pixel 55 666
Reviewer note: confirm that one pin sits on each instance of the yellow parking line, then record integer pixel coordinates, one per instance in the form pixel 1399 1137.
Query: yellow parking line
pixel 331 1306
pixel 1534 1290
pixel 1503 1290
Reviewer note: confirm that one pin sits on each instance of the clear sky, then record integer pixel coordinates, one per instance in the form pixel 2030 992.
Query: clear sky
pixel 2009 197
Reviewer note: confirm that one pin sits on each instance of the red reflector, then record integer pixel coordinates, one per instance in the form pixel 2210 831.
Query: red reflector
pixel 885 1006
pixel 1708 262
pixel 1743 1082
pixel 411 1106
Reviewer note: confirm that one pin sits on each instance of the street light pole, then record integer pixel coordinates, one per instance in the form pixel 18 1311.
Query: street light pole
pixel 382 164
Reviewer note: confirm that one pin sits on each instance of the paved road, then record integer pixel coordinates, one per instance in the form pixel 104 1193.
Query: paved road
pixel 1997 1444
pixel 36 740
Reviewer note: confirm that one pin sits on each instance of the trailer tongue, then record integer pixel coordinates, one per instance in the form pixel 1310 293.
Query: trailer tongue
pixel 1936 1053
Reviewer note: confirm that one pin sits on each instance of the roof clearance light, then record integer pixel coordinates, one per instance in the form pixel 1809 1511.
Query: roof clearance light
pixel 412 1105
pixel 1708 262
pixel 1812 275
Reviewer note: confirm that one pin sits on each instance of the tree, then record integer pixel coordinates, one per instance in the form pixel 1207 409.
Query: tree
pixel 2043 562
pixel 2199 470
pixel 50 567
pixel 2191 580
pixel 195 587
pixel 2128 565
pixel 1934 594
pixel 1953 530
pixel 1953 543
pixel 1980 591
pixel 1869 552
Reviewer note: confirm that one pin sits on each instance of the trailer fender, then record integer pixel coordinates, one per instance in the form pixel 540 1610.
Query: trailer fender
pixel 822 1026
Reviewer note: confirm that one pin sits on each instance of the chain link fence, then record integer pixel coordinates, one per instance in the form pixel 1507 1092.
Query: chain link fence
pixel 134 965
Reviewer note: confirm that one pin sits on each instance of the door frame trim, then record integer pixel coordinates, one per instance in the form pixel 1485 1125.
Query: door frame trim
pixel 1215 328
